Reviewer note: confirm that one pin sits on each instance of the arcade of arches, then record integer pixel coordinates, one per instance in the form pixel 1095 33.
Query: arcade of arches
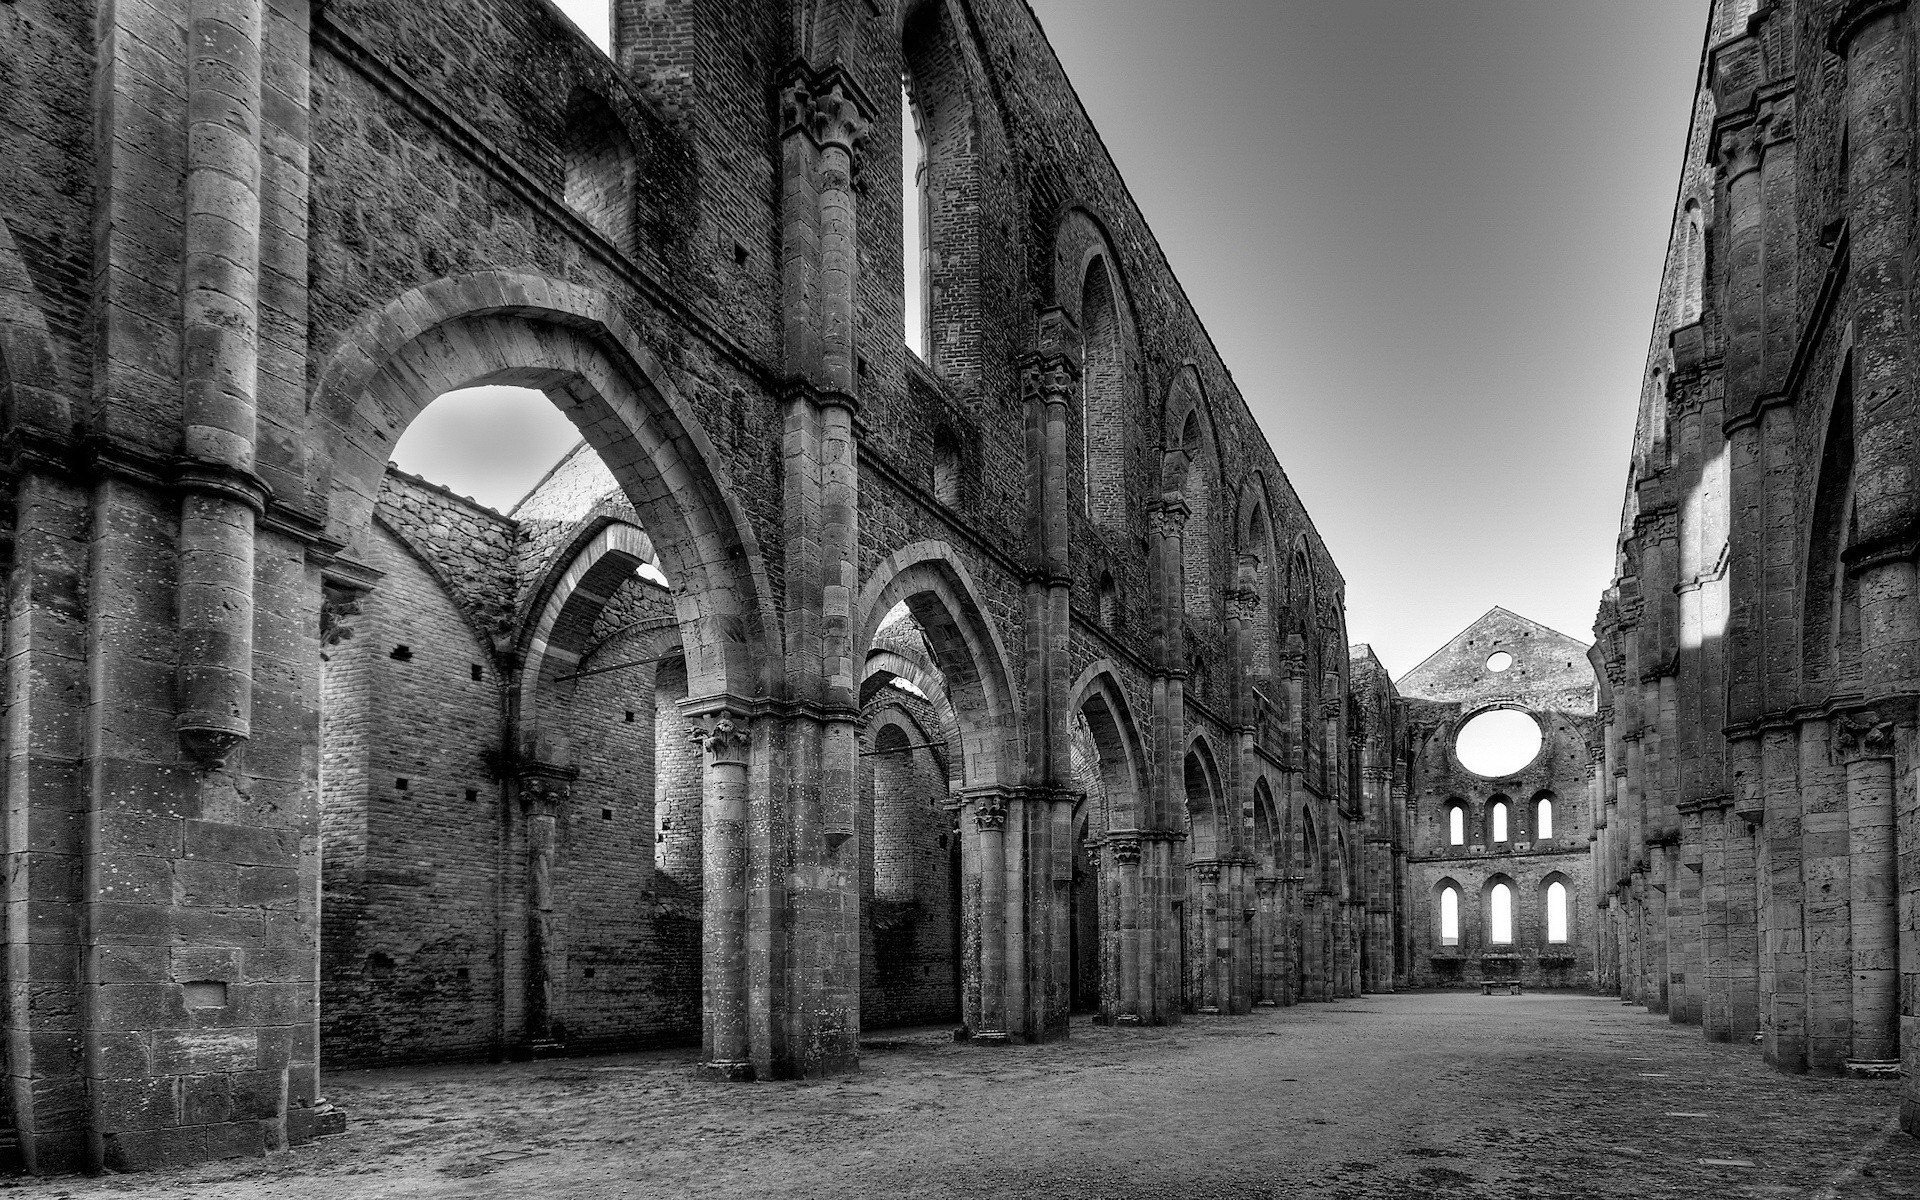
pixel 832 683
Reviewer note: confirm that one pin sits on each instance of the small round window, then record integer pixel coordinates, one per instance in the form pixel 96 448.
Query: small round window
pixel 1497 743
pixel 1499 660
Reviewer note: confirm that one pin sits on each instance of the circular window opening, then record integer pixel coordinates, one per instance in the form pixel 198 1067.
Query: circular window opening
pixel 1499 660
pixel 1498 743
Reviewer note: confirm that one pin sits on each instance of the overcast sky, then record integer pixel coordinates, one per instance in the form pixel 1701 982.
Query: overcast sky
pixel 1426 237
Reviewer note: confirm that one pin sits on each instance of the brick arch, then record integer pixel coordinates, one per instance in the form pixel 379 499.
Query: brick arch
pixel 933 582
pixel 571 342
pixel 556 640
pixel 885 666
pixel 482 637
pixel 1099 700
pixel 31 386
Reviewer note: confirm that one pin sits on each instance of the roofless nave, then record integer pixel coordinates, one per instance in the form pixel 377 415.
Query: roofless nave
pixel 832 686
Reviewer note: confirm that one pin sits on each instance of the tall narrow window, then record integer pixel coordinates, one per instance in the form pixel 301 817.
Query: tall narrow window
pixel 1500 915
pixel 1449 916
pixel 1543 819
pixel 913 230
pixel 1103 415
pixel 946 470
pixel 1556 912
pixel 1456 825
pixel 600 160
pixel 1497 817
pixel 1693 264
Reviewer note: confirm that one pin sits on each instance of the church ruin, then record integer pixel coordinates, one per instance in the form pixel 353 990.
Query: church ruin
pixel 833 683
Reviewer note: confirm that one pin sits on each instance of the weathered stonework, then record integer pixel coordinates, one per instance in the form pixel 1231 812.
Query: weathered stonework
pixel 1548 811
pixel 242 246
pixel 1759 842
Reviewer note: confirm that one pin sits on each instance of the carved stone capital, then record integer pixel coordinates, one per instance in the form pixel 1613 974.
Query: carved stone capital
pixel 1860 736
pixel 723 735
pixel 990 813
pixel 1170 519
pixel 829 108
pixel 1126 851
pixel 1049 380
pixel 1207 874
pixel 1737 150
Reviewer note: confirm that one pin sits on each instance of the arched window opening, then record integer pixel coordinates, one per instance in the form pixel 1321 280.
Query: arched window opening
pixel 1449 916
pixel 1543 819
pixel 1203 836
pixel 1500 915
pixel 1693 264
pixel 1556 912
pixel 678 780
pixel 1102 391
pixel 1202 588
pixel 600 168
pixel 1456 824
pixel 946 470
pixel 1497 820
pixel 905 787
pixel 1109 602
pixel 913 222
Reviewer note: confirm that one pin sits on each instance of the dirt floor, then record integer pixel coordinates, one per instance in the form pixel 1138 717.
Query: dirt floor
pixel 1425 1095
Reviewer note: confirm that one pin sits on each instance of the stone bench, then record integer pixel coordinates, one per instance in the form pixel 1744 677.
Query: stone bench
pixel 1487 985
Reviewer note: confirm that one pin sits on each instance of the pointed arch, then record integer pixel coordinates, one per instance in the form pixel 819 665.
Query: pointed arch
pixel 1209 835
pixel 1829 600
pixel 1267 834
pixel 1100 702
pixel 571 342
pixel 601 167
pixel 931 579
pixel 1090 286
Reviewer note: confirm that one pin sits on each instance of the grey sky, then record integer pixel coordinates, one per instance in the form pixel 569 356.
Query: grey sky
pixel 1426 236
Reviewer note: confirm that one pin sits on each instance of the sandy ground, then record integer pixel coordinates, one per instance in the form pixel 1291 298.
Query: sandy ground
pixel 1424 1095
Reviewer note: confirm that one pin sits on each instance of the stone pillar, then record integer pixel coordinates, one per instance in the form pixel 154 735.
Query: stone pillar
pixel 811 1016
pixel 1785 1026
pixel 989 1025
pixel 724 738
pixel 1865 742
pixel 1825 846
pixel 1267 944
pixel 1130 1003
pixel 1210 946
pixel 544 792
pixel 220 354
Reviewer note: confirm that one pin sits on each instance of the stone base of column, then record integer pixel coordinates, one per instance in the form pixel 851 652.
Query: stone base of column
pixel 732 1070
pixel 1873 1068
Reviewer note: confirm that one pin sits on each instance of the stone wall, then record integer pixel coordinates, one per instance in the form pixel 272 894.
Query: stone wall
pixel 1546 675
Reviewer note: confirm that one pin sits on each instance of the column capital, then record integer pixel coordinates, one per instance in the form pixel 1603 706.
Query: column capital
pixel 1048 378
pixel 1170 519
pixel 1863 735
pixel 827 105
pixel 723 735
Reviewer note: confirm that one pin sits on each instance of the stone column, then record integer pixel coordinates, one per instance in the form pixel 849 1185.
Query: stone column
pixel 1825 844
pixel 1267 943
pixel 1865 743
pixel 1785 1026
pixel 220 358
pixel 1210 947
pixel 724 737
pixel 543 798
pixel 1128 1000
pixel 990 823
